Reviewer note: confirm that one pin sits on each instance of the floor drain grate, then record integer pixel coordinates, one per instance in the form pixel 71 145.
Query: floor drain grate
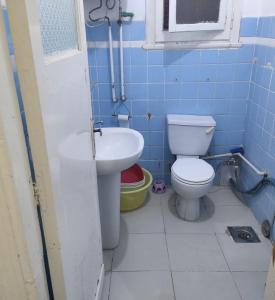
pixel 243 234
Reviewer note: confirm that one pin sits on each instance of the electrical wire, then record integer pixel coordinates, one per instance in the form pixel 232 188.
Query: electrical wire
pixel 109 7
pixel 95 9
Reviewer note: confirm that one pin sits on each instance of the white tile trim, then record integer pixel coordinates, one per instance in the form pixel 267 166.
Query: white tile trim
pixel 126 44
pixel 142 44
pixel 248 40
pixel 259 41
pixel 265 42
pixel 162 46
pixel 191 45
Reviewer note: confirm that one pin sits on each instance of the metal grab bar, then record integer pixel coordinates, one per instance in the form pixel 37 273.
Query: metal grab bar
pixel 229 154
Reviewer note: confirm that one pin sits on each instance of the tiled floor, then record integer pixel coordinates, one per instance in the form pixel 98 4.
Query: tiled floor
pixel 161 257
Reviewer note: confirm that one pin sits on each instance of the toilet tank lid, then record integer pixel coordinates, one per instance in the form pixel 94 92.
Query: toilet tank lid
pixel 190 120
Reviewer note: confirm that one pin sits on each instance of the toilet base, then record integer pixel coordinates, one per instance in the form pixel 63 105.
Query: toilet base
pixel 188 209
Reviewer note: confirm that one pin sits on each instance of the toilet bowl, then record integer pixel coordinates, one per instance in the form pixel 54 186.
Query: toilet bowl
pixel 189 138
pixel 191 179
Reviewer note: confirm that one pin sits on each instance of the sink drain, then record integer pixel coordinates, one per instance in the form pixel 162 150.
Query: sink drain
pixel 243 234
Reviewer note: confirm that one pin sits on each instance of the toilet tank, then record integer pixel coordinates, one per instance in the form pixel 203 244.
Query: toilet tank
pixel 190 135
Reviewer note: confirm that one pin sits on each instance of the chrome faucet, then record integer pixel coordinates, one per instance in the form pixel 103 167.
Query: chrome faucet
pixel 100 123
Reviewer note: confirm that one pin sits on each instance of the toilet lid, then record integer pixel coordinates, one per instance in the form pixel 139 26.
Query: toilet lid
pixel 193 170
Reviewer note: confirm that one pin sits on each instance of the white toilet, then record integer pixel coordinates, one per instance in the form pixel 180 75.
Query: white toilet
pixel 189 138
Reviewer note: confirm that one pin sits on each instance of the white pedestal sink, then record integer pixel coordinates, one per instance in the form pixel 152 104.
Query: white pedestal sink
pixel 116 150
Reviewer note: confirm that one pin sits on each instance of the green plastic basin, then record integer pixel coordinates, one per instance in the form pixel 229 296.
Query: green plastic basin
pixel 133 198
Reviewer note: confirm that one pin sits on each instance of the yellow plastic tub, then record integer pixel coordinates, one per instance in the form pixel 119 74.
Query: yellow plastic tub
pixel 131 199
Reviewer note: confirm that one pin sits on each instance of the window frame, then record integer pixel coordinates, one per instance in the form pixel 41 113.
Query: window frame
pixel 157 38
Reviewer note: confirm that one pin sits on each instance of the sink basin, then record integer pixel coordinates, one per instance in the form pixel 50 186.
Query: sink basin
pixel 117 149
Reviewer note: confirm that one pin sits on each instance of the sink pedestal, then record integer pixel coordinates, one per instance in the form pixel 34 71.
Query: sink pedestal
pixel 109 205
pixel 117 149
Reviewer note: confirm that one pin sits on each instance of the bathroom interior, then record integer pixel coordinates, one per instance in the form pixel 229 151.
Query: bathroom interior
pixel 150 134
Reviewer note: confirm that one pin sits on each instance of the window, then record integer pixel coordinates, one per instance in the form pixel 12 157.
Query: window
pixel 193 15
pixel 185 23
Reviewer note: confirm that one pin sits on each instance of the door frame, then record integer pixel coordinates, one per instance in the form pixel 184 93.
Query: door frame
pixel 30 79
pixel 23 274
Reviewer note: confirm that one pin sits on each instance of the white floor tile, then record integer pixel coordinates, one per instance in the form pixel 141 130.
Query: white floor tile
pixel 173 224
pixel 223 196
pixel 147 219
pixel 250 284
pixel 141 286
pixel 234 215
pixel 141 252
pixel 107 259
pixel 205 286
pixel 157 199
pixel 106 286
pixel 199 253
pixel 214 218
pixel 245 257
pixel 196 252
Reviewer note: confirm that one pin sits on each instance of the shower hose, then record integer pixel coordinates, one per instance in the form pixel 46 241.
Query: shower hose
pixel 265 181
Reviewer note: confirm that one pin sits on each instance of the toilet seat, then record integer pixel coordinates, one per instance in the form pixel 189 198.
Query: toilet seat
pixel 192 171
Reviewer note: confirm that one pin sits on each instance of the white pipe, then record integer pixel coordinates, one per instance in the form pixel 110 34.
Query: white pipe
pixel 256 170
pixel 112 63
pixel 218 156
pixel 123 97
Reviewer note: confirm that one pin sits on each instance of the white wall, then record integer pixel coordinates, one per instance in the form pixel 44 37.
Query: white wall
pixel 250 8
pixel 137 7
pixel 268 8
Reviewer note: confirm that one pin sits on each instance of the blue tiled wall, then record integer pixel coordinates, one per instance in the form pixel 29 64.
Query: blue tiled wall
pixel 249 27
pixel 259 139
pixel 266 27
pixel 132 31
pixel 258 27
pixel 236 86
pixel 214 82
